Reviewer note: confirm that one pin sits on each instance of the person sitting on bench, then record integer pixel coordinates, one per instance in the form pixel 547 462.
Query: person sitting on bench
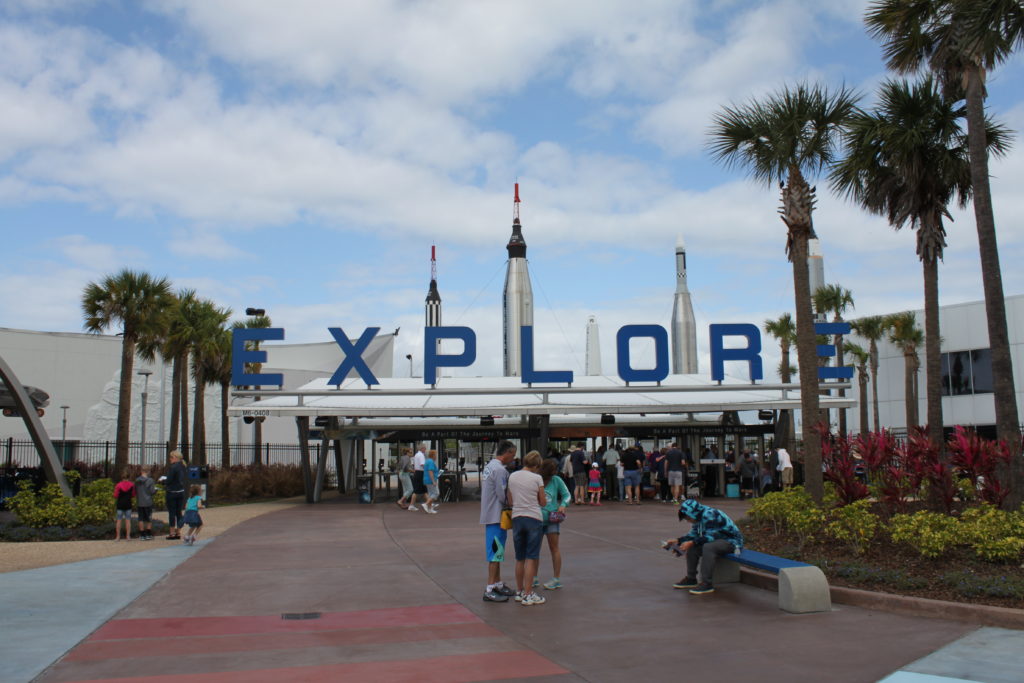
pixel 712 535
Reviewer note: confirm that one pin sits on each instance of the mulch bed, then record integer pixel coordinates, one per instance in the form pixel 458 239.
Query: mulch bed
pixel 957 576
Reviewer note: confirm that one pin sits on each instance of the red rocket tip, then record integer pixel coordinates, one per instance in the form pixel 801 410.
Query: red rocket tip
pixel 517 193
pixel 433 252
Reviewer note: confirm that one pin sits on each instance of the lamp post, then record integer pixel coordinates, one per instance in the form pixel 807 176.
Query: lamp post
pixel 145 399
pixel 64 434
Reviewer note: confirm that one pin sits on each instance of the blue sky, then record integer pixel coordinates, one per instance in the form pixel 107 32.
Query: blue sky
pixel 303 157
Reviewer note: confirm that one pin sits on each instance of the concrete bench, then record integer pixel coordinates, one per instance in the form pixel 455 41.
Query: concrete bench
pixel 803 587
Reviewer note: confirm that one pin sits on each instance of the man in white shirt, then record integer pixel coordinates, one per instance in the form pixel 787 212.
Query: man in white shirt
pixel 611 459
pixel 785 468
pixel 418 487
pixel 493 494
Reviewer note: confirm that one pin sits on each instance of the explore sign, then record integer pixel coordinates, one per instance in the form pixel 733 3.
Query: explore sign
pixel 433 360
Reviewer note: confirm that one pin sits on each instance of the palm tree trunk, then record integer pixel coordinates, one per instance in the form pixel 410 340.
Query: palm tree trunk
pixel 124 404
pixel 172 444
pixel 862 381
pixel 874 386
pixel 199 423
pixel 933 355
pixel 909 395
pixel 806 343
pixel 1007 424
pixel 785 428
pixel 184 404
pixel 225 445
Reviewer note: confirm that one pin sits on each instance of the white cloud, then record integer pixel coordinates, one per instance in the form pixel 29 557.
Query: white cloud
pixel 205 244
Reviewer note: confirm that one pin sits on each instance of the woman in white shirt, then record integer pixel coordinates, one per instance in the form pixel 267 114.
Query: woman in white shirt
pixel 526 496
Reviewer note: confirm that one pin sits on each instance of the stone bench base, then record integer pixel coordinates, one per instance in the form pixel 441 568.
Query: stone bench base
pixel 802 590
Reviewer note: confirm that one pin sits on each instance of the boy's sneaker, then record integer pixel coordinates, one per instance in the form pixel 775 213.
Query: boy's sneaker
pixel 507 591
pixel 703 588
pixel 553 584
pixel 413 508
pixel 532 599
pixel 519 596
pixel 494 596
pixel 687 582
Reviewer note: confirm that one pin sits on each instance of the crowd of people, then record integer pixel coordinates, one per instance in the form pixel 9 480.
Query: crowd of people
pixel 531 501
pixel 138 494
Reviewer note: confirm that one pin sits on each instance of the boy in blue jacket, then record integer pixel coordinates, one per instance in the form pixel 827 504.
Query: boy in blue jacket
pixel 712 535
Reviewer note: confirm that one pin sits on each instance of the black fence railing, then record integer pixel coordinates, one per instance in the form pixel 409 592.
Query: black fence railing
pixel 22 453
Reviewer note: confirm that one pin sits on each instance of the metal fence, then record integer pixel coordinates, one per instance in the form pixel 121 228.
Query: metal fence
pixel 22 453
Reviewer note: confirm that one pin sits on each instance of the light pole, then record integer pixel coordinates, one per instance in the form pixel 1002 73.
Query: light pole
pixel 64 434
pixel 145 399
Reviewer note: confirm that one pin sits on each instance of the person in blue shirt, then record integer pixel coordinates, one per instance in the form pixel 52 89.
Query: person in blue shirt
pixel 711 535
pixel 430 480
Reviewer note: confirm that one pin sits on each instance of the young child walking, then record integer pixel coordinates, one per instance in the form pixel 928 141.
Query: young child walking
pixel 123 494
pixel 595 486
pixel 192 518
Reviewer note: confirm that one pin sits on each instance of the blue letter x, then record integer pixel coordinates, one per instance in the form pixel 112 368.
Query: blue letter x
pixel 353 355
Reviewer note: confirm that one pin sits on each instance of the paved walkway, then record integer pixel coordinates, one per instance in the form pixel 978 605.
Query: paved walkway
pixel 346 592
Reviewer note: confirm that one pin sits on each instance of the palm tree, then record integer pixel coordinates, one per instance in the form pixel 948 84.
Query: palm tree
pixel 860 361
pixel 216 369
pixel 835 299
pixel 205 326
pixel 872 329
pixel 908 337
pixel 907 160
pixel 780 139
pixel 961 41
pixel 168 345
pixel 784 330
pixel 137 302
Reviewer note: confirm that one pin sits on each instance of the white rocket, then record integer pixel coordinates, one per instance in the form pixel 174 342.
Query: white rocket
pixel 684 327
pixel 593 349
pixel 815 271
pixel 433 303
pixel 517 309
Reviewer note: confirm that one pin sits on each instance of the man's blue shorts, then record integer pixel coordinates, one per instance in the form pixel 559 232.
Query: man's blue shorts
pixel 527 533
pixel 632 477
pixel 496 537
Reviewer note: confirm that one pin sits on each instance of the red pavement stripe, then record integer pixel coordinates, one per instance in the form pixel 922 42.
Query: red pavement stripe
pixel 122 629
pixel 99 650
pixel 491 666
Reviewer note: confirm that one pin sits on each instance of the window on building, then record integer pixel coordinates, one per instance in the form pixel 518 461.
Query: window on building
pixel 967 372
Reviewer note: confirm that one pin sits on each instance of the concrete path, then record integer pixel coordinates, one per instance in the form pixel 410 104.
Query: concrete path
pixel 348 592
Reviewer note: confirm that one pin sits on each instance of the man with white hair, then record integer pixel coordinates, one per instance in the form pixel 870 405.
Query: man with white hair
pixel 785 468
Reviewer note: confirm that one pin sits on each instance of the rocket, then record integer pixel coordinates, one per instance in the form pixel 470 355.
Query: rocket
pixel 433 302
pixel 684 327
pixel 517 309
pixel 815 271
pixel 593 348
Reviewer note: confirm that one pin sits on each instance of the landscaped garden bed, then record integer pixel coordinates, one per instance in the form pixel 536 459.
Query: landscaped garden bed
pixel 898 518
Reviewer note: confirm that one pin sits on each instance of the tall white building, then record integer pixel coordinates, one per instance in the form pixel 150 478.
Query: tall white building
pixel 967 397
pixel 593 359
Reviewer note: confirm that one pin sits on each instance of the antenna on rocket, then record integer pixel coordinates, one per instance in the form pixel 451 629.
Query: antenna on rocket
pixel 433 262
pixel 515 205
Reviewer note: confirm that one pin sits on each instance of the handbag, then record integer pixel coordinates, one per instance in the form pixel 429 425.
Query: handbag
pixel 506 519
pixel 556 517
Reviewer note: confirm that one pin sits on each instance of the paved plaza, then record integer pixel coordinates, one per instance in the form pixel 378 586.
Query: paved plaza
pixel 345 592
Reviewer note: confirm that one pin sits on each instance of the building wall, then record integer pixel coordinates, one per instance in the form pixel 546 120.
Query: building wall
pixel 963 327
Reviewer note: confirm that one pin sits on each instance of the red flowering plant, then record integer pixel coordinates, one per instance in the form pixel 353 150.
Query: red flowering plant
pixel 922 458
pixel 978 460
pixel 841 467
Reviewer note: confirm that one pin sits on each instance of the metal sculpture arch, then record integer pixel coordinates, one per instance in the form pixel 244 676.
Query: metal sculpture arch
pixel 47 454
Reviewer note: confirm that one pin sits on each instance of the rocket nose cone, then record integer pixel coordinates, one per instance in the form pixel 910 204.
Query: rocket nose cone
pixel 680 244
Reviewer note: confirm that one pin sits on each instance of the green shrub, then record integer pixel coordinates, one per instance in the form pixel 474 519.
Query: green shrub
pixel 972 586
pixel 49 507
pixel 95 503
pixel 929 533
pixel 20 534
pixel 792 510
pixel 854 524
pixel 995 535
pixel 54 533
pixel 94 532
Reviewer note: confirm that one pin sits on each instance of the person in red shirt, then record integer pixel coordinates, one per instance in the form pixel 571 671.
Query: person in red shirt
pixel 123 494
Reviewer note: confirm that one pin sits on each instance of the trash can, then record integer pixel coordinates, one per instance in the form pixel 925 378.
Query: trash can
pixel 198 474
pixel 364 488
pixel 732 491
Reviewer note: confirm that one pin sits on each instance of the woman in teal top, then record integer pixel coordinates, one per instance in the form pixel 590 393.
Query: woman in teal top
pixel 558 498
